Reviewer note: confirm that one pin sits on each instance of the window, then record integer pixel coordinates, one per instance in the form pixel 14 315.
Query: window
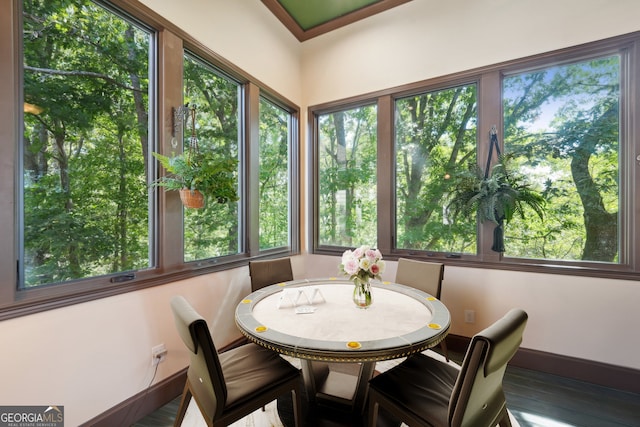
pixel 83 117
pixel 85 144
pixel 347 165
pixel 564 122
pixel 563 125
pixel 435 136
pixel 214 125
pixel 274 187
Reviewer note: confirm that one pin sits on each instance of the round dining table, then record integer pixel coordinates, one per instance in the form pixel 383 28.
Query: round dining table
pixel 337 342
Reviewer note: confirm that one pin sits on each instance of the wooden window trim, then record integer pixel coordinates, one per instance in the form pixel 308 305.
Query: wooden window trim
pixel 171 41
pixel 489 80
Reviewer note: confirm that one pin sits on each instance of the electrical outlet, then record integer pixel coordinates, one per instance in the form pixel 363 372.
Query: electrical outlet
pixel 469 316
pixel 158 354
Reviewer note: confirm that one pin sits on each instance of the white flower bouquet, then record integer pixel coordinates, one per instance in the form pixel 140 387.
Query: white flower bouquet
pixel 361 265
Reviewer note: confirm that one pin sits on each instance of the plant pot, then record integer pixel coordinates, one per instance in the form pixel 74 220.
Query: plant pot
pixel 192 198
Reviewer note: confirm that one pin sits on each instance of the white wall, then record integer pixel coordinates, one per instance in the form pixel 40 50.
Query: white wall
pixel 429 38
pixel 243 32
pixel 92 356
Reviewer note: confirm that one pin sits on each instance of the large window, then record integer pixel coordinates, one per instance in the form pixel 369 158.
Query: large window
pixel 435 137
pixel 274 177
pixel 212 124
pixel 347 166
pixel 93 93
pixel 85 144
pixel 561 123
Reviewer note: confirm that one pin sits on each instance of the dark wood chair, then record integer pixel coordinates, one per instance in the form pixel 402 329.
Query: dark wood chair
pixel 268 272
pixel 231 385
pixel 426 276
pixel 423 391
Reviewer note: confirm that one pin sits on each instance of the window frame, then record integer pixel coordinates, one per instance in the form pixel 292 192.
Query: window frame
pixel 489 105
pixel 439 87
pixel 168 266
pixel 201 57
pixel 293 171
pixel 315 169
pixel 153 131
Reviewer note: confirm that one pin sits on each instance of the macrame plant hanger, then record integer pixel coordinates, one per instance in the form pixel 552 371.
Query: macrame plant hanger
pixel 492 142
pixel 193 139
pixel 498 231
pixel 192 198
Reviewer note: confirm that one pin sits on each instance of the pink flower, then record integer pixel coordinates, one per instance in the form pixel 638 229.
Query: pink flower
pixel 375 269
pixel 359 252
pixel 348 254
pixel 351 266
pixel 362 262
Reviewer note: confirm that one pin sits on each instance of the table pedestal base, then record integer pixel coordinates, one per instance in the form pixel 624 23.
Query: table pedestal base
pixel 324 413
pixel 343 384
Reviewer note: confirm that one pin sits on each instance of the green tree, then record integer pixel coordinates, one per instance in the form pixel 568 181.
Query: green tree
pixel 435 139
pixel 347 177
pixel 274 176
pixel 85 141
pixel 212 231
pixel 563 123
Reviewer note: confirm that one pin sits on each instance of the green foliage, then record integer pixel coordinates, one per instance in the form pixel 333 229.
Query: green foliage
pixel 435 135
pixel 347 175
pixel 562 124
pixel 274 190
pixel 85 188
pixel 212 175
pixel 495 198
pixel 212 231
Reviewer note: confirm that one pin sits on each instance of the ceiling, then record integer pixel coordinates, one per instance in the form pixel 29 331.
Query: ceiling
pixel 310 18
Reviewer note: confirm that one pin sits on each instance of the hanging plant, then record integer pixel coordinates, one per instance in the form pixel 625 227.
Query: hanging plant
pixel 199 174
pixel 496 195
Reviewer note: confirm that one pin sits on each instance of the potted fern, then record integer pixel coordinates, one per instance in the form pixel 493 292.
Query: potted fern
pixel 199 175
pixel 495 197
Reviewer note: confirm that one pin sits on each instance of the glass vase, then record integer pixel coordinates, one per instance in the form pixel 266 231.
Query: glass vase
pixel 362 297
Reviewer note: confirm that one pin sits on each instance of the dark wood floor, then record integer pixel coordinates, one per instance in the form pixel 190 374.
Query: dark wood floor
pixel 535 399
pixel 539 399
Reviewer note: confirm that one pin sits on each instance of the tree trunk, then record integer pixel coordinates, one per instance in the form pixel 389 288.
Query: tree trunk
pixel 601 227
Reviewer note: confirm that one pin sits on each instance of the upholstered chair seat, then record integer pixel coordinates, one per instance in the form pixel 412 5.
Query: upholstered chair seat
pixel 233 384
pixel 422 391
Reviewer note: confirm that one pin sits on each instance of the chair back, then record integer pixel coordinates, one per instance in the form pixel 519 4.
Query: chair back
pixel 477 398
pixel 205 373
pixel 426 276
pixel 268 272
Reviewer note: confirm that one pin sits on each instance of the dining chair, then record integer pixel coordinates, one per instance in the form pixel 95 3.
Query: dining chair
pixel 230 385
pixel 423 391
pixel 268 272
pixel 426 276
